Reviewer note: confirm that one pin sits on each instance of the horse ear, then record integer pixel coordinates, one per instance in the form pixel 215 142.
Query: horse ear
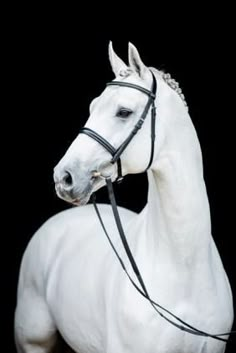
pixel 117 64
pixel 135 61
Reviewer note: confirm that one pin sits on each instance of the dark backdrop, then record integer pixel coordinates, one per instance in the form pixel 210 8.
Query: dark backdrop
pixel 53 73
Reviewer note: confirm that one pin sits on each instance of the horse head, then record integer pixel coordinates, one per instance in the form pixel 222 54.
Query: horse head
pixel 126 105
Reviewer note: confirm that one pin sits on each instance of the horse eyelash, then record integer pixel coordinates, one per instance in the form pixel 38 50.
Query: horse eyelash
pixel 124 110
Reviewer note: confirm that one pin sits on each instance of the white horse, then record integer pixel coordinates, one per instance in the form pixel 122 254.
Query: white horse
pixel 70 280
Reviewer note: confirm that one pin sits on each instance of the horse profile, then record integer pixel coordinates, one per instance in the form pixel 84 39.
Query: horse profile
pixel 71 284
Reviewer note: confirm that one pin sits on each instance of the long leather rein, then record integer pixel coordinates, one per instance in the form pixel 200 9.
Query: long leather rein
pixel 116 153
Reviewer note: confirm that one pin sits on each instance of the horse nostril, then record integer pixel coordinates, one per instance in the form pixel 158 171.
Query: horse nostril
pixel 67 179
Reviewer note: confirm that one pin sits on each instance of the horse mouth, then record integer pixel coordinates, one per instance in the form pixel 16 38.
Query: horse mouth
pixel 80 201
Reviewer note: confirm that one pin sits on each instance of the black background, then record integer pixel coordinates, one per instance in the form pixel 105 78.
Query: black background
pixel 54 68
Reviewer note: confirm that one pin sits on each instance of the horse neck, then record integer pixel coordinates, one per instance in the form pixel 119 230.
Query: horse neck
pixel 178 217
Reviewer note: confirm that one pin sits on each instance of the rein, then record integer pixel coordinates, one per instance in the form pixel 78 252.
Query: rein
pixel 116 153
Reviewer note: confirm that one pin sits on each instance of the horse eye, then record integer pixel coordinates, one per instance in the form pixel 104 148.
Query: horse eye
pixel 124 113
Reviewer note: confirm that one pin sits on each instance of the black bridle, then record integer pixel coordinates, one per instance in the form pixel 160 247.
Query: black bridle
pixel 116 153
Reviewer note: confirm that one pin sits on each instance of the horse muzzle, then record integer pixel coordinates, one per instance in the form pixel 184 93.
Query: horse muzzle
pixel 76 185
